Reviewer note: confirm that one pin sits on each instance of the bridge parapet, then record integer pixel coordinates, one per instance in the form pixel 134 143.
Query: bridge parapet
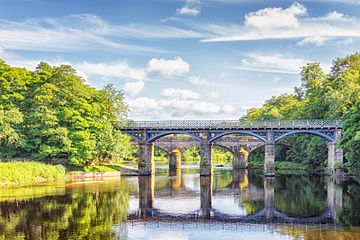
pixel 230 124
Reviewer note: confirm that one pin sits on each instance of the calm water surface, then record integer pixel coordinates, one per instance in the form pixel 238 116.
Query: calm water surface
pixel 182 205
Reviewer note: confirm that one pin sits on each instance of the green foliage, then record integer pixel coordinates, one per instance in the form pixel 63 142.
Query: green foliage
pixel 29 172
pixel 51 115
pixel 351 138
pixel 321 96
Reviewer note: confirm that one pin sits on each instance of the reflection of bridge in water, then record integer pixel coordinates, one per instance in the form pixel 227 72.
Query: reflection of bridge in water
pixel 269 213
pixel 210 132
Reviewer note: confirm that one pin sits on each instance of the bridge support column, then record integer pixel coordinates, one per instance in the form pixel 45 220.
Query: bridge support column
pixel 334 198
pixel 269 197
pixel 206 183
pixel 335 153
pixel 175 159
pixel 146 164
pixel 240 159
pixel 146 195
pixel 269 162
pixel 206 167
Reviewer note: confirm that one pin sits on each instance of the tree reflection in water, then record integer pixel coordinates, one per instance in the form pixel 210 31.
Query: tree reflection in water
pixel 78 214
pixel 97 210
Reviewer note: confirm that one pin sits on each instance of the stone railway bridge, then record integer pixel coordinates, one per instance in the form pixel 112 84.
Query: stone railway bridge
pixel 210 132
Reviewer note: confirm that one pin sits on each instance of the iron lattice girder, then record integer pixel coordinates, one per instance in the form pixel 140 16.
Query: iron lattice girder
pixel 231 124
pixel 150 131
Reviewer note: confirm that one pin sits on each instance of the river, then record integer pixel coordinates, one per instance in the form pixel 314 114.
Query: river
pixel 182 205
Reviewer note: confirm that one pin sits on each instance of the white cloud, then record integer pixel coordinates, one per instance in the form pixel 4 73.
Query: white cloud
pixel 142 104
pixel 71 33
pixel 228 108
pixel 83 32
pixel 213 94
pixel 315 40
pixel 272 63
pixel 268 18
pixel 168 68
pixel 199 81
pixel 183 94
pixel 335 16
pixel 191 8
pixel 286 23
pixel 118 69
pixel 178 103
pixel 16 60
pixel 186 10
pixel 133 88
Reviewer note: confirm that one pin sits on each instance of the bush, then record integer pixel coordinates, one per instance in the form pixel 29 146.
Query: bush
pixel 29 172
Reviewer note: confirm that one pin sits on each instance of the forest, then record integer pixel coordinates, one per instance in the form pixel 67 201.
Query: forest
pixel 333 95
pixel 52 115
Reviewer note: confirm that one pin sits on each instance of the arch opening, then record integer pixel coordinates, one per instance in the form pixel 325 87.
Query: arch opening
pixel 163 134
pixel 314 133
pixel 302 150
pixel 237 132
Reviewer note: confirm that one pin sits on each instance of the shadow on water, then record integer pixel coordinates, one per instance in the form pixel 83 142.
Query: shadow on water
pixel 133 205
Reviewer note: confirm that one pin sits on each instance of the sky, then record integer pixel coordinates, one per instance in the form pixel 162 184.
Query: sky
pixel 182 59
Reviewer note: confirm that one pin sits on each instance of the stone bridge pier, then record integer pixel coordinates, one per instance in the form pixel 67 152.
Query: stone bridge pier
pixel 335 153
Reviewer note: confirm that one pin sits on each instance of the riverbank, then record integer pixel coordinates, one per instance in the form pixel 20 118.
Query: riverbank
pixel 30 172
pixel 20 173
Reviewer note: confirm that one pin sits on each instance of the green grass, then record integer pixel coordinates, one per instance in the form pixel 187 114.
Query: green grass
pixel 28 172
pixel 280 165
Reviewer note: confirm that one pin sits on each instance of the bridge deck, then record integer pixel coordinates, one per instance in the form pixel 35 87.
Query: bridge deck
pixel 231 124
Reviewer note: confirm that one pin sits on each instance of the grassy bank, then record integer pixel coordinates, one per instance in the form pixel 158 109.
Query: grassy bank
pixel 28 172
pixel 280 165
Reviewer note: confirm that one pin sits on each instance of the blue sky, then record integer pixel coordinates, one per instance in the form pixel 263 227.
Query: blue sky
pixel 182 59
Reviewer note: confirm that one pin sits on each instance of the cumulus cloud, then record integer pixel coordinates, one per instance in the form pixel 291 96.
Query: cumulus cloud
pixel 179 103
pixel 175 93
pixel 286 23
pixel 133 88
pixel 117 69
pixel 191 7
pixel 168 68
pixel 275 17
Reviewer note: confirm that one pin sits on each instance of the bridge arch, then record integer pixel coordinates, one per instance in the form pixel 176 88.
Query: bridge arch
pixel 225 147
pixel 163 149
pixel 237 132
pixel 316 133
pixel 165 133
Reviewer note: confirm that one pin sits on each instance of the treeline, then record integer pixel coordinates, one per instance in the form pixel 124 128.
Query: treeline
pixel 335 95
pixel 52 115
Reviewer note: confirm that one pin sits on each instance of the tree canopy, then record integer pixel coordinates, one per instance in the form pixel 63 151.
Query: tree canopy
pixel 335 95
pixel 51 114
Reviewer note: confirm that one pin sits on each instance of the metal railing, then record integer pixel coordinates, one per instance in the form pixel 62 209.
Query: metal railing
pixel 210 124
